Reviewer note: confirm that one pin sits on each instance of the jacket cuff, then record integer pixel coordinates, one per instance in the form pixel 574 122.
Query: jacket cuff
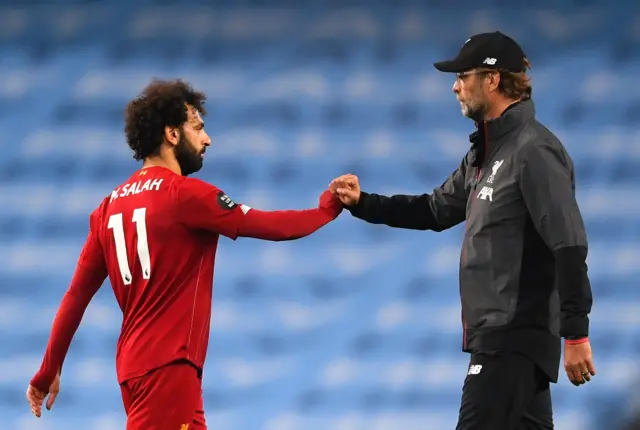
pixel 575 327
pixel 358 209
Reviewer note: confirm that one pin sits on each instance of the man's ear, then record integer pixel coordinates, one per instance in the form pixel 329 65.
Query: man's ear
pixel 493 81
pixel 172 135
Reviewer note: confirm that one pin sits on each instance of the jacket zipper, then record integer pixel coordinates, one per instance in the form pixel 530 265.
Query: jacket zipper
pixel 466 228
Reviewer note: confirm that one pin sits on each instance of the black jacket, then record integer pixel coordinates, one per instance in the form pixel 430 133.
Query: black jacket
pixel 523 275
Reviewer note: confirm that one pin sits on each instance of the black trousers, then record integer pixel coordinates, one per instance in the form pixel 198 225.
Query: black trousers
pixel 505 391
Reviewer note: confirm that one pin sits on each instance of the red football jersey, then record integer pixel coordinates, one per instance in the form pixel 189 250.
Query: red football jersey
pixel 160 261
pixel 156 237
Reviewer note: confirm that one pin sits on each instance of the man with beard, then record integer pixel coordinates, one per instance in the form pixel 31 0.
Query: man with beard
pixel 523 275
pixel 155 237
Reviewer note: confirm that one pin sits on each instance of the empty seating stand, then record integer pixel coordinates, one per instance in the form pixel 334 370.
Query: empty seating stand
pixel 357 326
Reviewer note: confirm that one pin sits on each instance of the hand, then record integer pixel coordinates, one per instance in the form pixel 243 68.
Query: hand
pixel 347 188
pixel 36 397
pixel 578 363
pixel 330 203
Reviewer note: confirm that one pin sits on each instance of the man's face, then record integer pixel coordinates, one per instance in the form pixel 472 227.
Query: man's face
pixel 192 144
pixel 472 93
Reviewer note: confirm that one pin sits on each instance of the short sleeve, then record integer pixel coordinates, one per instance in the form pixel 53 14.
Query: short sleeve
pixel 202 206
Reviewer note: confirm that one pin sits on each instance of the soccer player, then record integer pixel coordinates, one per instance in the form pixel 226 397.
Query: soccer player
pixel 155 237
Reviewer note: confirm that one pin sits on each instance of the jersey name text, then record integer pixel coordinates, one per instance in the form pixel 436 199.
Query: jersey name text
pixel 136 188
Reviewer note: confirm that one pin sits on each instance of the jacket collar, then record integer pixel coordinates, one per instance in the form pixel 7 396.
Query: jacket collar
pixel 488 135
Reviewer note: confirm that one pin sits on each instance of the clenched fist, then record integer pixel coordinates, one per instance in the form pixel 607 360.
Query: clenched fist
pixel 347 188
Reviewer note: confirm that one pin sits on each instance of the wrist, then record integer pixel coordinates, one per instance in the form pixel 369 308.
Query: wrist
pixel 576 341
pixel 40 382
pixel 358 204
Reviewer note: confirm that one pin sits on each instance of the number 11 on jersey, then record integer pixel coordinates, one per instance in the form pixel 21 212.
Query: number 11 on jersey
pixel 116 224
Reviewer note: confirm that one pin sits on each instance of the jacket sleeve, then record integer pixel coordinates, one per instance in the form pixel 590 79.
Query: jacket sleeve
pixel 548 188
pixel 443 209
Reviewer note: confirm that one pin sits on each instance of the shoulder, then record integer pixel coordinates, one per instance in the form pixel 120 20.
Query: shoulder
pixel 186 187
pixel 187 182
pixel 538 143
pixel 99 214
pixel 197 193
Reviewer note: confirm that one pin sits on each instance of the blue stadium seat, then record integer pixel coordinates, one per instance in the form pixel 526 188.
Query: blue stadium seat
pixel 359 325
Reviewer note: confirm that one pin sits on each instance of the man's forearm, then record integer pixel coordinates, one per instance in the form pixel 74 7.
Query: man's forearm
pixel 284 225
pixel 85 283
pixel 575 291
pixel 65 325
pixel 402 211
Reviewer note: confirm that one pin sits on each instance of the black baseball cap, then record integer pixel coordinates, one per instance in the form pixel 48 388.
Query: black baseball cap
pixel 488 50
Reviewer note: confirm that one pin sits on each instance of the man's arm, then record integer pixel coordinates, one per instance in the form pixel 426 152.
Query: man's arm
pixel 547 186
pixel 203 206
pixel 90 273
pixel 443 209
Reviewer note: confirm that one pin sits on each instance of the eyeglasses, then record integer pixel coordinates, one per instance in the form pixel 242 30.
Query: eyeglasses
pixel 462 75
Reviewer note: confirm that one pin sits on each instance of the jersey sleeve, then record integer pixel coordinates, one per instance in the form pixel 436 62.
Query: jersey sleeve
pixel 203 206
pixel 90 273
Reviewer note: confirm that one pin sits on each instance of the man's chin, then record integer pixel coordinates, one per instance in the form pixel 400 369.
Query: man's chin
pixel 192 167
pixel 196 169
pixel 471 114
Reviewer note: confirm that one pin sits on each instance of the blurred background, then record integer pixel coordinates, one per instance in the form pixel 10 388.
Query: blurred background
pixel 358 326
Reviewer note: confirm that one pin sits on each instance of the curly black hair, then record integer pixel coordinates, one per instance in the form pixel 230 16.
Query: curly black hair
pixel 161 104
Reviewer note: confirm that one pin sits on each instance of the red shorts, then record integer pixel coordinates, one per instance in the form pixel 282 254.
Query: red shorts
pixel 168 398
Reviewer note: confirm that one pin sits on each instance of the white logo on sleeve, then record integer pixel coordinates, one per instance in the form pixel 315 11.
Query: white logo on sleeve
pixel 475 369
pixel 490 61
pixel 486 192
pixel 245 209
pixel 494 170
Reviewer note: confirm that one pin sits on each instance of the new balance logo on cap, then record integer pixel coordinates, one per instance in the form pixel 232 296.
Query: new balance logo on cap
pixel 490 61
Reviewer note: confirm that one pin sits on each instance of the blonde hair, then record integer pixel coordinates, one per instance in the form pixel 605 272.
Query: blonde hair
pixel 516 86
